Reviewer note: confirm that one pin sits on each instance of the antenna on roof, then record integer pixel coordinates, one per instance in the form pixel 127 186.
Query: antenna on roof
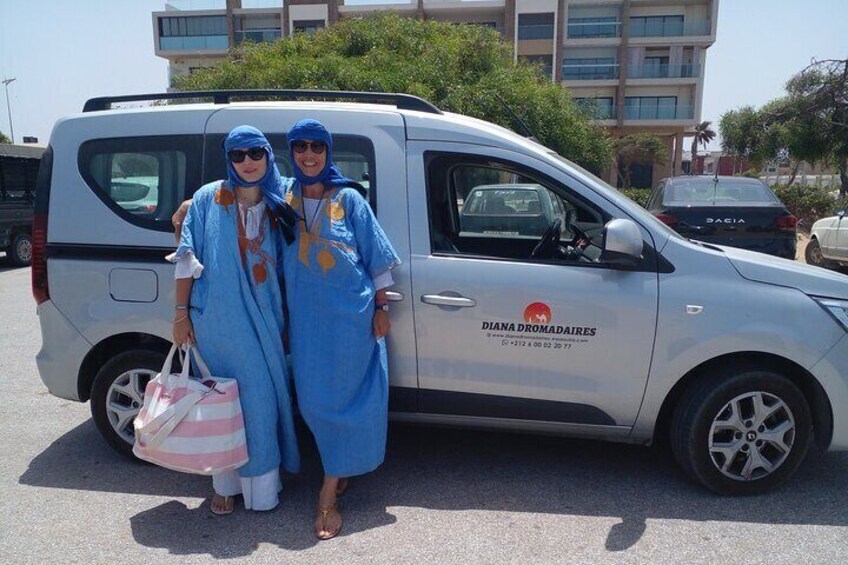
pixel 527 133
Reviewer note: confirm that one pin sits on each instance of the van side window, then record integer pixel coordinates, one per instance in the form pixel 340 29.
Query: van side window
pixel 142 179
pixel 494 208
pixel 352 154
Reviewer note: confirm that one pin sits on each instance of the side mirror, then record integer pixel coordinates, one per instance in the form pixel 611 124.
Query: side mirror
pixel 841 214
pixel 622 244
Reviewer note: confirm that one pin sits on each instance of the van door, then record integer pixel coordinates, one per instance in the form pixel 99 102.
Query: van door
pixel 505 334
pixel 368 148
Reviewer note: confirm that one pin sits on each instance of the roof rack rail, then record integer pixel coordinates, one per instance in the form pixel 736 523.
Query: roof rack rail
pixel 401 101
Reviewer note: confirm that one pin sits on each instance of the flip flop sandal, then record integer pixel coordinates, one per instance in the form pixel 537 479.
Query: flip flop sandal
pixel 227 505
pixel 324 511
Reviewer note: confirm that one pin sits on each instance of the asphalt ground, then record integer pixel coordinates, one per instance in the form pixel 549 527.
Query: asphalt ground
pixel 442 496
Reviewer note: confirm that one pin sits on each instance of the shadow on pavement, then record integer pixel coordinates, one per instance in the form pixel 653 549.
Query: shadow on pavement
pixel 6 263
pixel 445 470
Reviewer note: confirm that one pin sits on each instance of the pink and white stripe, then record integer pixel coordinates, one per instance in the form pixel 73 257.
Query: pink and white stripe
pixel 189 427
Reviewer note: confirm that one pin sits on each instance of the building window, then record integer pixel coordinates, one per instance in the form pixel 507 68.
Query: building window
pixel 308 26
pixel 193 33
pixel 593 68
pixel 593 27
pixel 546 62
pixel 193 26
pixel 655 108
pixel 600 108
pixel 535 26
pixel 656 26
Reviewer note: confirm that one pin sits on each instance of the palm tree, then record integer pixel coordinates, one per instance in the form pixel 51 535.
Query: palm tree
pixel 703 135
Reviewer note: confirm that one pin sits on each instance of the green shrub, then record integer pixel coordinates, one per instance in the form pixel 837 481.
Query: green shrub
pixel 807 203
pixel 638 195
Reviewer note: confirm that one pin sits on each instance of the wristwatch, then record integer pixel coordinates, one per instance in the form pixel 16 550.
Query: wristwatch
pixel 383 307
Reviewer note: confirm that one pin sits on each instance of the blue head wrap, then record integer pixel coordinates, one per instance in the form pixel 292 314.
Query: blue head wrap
pixel 314 130
pixel 271 184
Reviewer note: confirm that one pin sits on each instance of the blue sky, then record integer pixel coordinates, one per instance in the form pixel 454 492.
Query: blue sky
pixel 63 52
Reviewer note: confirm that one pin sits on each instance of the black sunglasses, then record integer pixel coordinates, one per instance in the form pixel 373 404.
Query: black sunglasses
pixel 238 155
pixel 317 147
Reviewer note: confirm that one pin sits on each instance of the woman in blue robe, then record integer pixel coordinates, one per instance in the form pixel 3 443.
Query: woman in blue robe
pixel 336 272
pixel 229 301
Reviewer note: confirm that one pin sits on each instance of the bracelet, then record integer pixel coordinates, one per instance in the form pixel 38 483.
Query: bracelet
pixel 178 320
pixel 181 306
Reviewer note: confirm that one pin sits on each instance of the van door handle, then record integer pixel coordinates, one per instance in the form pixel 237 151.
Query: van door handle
pixel 442 300
pixel 393 296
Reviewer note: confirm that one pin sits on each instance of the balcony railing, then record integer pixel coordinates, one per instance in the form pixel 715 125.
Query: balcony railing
pixel 257 35
pixel 536 31
pixel 686 70
pixel 668 29
pixel 589 72
pixel 658 112
pixel 189 5
pixel 600 112
pixel 194 43
pixel 587 30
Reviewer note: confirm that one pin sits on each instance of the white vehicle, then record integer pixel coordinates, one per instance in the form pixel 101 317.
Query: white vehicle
pixel 828 245
pixel 609 325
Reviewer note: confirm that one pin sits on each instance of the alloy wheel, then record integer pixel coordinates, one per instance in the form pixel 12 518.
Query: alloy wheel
pixel 24 249
pixel 124 400
pixel 751 436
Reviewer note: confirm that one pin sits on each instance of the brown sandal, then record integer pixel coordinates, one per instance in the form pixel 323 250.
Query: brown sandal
pixel 323 533
pixel 226 504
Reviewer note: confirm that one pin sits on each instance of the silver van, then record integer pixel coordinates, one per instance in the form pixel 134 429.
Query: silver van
pixel 608 325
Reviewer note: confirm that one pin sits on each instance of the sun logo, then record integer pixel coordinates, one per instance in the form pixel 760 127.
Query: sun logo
pixel 537 313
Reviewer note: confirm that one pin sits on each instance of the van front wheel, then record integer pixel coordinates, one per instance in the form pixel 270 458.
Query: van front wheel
pixel 118 394
pixel 741 431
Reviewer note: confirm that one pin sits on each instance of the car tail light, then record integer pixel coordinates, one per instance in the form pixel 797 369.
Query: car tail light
pixel 39 260
pixel 786 223
pixel 667 219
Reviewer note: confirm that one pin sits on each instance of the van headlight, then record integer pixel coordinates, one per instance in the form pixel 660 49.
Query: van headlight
pixel 836 308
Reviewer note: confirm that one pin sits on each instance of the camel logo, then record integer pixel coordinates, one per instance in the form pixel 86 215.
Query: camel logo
pixel 537 313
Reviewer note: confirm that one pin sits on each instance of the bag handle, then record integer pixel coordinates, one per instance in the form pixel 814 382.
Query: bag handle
pixel 201 364
pixel 166 367
pixel 167 421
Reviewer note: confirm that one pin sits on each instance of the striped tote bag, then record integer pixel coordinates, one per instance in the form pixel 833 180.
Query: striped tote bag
pixel 191 425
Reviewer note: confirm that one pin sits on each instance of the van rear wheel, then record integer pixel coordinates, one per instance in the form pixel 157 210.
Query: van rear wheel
pixel 20 252
pixel 118 394
pixel 741 431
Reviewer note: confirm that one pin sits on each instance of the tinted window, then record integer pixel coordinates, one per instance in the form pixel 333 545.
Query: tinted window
pixel 723 192
pixel 142 179
pixel 353 155
pixel 17 178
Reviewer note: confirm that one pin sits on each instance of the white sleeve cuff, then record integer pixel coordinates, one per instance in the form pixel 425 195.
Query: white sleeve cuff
pixel 187 266
pixel 383 280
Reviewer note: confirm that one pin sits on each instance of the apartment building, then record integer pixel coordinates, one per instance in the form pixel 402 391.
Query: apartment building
pixel 637 65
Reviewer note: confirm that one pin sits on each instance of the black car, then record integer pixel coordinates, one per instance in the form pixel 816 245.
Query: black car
pixel 735 211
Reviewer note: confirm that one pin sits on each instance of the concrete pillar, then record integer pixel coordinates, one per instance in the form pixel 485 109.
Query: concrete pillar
pixel 559 37
pixel 624 17
pixel 231 24
pixel 509 26
pixel 678 154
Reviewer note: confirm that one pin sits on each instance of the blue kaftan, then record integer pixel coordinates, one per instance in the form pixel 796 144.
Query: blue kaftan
pixel 340 368
pixel 237 314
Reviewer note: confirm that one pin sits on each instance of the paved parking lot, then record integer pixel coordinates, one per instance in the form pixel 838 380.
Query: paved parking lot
pixel 443 496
